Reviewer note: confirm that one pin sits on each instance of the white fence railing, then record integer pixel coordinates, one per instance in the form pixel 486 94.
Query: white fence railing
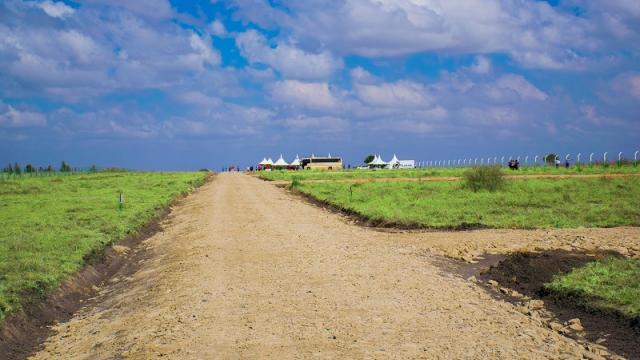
pixel 549 159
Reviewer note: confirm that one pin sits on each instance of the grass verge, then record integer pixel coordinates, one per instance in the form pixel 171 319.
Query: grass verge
pixel 51 226
pixel 436 172
pixel 526 204
pixel 610 285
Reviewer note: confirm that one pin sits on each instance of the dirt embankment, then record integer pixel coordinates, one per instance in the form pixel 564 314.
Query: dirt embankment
pixel 22 333
pixel 243 270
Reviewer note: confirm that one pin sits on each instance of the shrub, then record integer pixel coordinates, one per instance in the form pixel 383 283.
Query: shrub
pixel 488 178
pixel 295 181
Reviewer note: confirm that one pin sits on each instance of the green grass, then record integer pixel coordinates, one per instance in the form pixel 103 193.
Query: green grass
pixel 530 203
pixel 436 172
pixel 50 225
pixel 612 284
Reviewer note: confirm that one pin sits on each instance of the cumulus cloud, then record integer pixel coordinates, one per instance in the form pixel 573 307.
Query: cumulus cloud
pixel 289 60
pixel 304 94
pixel 482 65
pixel 56 9
pixel 534 33
pixel 627 84
pixel 319 124
pixel 217 28
pixel 104 49
pixel 151 9
pixel 14 118
pixel 398 94
pixel 515 84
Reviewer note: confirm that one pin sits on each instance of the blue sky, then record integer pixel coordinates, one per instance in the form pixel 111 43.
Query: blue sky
pixel 180 85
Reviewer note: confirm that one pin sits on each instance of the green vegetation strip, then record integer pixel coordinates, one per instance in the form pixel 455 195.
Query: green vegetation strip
pixel 50 225
pixel 526 204
pixel 612 285
pixel 435 172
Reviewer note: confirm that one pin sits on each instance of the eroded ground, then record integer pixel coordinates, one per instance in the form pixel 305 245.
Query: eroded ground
pixel 244 270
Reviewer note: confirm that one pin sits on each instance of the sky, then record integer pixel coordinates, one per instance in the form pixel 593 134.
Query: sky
pixel 184 85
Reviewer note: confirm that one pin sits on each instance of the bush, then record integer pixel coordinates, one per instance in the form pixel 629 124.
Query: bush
pixel 488 178
pixel 295 181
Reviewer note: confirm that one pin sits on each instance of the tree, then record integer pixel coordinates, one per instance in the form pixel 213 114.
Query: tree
pixel 369 159
pixel 29 168
pixel 64 167
pixel 16 169
pixel 49 168
pixel 8 169
pixel 93 169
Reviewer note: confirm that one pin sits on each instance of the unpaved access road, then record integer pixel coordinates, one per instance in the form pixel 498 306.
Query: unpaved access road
pixel 244 270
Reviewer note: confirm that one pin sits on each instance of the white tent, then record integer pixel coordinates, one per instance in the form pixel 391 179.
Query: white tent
pixel 263 162
pixel 393 163
pixel 296 161
pixel 280 162
pixel 377 162
pixel 269 162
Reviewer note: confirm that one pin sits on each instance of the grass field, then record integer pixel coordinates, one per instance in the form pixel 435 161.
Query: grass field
pixel 527 203
pixel 51 224
pixel 612 284
pixel 436 172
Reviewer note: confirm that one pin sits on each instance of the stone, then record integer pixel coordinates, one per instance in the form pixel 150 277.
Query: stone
pixel 536 304
pixel 575 325
pixel 472 279
pixel 504 290
pixel 555 326
pixel 493 283
pixel 121 250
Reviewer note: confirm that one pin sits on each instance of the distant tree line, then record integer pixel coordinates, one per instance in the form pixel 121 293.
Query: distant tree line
pixel 29 169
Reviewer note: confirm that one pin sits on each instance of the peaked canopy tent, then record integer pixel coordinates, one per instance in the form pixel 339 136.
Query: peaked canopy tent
pixel 295 164
pixel 377 163
pixel 394 163
pixel 280 163
pixel 265 164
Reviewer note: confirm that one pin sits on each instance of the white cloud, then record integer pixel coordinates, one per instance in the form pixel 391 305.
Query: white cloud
pixel 515 84
pixel 320 124
pixel 14 118
pixel 203 54
pixel 289 60
pixel 56 9
pixel 482 65
pixel 151 9
pixel 199 98
pixel 305 94
pixel 492 115
pixel 398 94
pixel 217 28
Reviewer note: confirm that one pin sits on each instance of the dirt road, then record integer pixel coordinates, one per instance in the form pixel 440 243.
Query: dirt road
pixel 243 270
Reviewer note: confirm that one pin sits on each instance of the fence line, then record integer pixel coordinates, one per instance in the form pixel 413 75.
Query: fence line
pixel 549 159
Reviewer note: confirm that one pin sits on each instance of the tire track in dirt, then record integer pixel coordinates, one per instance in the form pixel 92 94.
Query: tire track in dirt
pixel 243 270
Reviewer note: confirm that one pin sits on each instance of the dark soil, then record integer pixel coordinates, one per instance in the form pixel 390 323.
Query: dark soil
pixel 23 333
pixel 528 272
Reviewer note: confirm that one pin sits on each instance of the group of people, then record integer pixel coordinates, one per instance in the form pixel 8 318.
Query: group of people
pixel 514 164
